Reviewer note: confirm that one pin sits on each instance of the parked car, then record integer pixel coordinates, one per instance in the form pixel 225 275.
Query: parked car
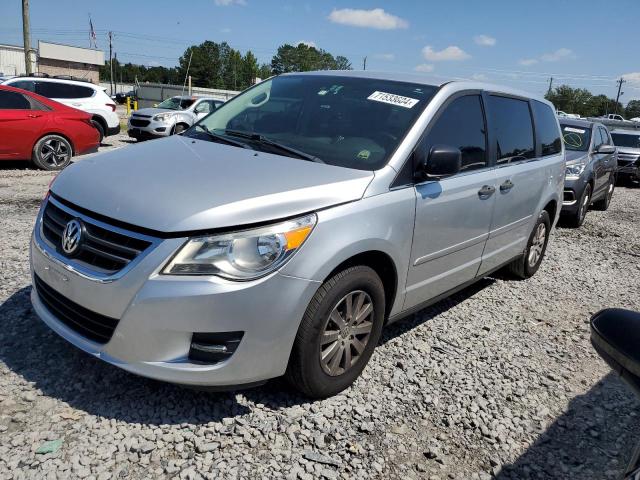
pixel 590 175
pixel 172 116
pixel 278 235
pixel 628 143
pixel 41 130
pixel 121 97
pixel 82 95
pixel 635 119
pixel 615 335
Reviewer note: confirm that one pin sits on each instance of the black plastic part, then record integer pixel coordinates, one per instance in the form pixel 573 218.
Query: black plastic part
pixel 443 161
pixel 201 342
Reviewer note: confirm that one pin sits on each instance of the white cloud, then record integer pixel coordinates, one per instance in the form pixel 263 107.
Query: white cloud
pixel 527 62
pixel 389 57
pixel 228 3
pixel 225 30
pixel 484 40
pixel 451 53
pixel 424 68
pixel 308 43
pixel 480 77
pixel 557 55
pixel 375 18
pixel 633 77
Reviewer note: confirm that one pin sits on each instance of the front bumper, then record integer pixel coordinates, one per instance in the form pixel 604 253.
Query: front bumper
pixel 149 128
pixel 158 314
pixel 573 190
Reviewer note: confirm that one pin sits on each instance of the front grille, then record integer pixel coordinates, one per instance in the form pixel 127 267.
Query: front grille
pixel 87 323
pixel 139 123
pixel 102 250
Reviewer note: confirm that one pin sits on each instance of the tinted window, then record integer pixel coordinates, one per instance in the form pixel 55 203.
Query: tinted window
pixel 626 140
pixel 547 128
pixel 605 136
pixel 462 125
pixel 513 129
pixel 597 138
pixel 13 101
pixel 63 90
pixel 24 84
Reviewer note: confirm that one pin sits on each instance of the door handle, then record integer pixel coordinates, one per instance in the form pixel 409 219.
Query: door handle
pixel 486 191
pixel 506 186
pixel 33 115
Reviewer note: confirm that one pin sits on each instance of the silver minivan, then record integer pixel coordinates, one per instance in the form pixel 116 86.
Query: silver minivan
pixel 282 232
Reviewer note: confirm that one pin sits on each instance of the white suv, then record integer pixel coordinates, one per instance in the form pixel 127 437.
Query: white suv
pixel 77 94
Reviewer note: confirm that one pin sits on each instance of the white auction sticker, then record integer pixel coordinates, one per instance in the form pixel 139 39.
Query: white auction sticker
pixel 573 130
pixel 392 99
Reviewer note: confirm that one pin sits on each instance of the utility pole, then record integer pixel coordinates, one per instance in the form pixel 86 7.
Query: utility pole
pixel 619 82
pixel 26 34
pixel 110 64
pixel 550 85
pixel 364 63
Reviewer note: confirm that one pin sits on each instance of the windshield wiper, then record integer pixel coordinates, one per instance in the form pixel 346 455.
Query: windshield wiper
pixel 258 138
pixel 217 137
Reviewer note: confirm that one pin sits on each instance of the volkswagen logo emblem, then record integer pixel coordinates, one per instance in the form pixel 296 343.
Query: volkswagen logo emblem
pixel 71 237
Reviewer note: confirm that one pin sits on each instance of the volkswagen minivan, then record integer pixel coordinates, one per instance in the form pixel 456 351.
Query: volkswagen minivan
pixel 282 232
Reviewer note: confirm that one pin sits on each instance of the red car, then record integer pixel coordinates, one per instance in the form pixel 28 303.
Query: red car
pixel 48 133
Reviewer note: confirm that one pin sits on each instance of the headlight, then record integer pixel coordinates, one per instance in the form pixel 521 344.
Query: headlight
pixel 574 171
pixel 243 255
pixel 162 117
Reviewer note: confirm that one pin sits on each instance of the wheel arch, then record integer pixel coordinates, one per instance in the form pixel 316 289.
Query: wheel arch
pixel 101 120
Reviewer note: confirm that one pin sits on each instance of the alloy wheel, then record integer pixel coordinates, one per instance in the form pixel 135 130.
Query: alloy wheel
pixel 346 333
pixel 54 152
pixel 537 245
pixel 584 206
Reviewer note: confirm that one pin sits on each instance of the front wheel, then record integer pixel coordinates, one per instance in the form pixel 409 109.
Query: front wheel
pixel 528 264
pixel 576 219
pixel 338 333
pixel 52 152
pixel 604 202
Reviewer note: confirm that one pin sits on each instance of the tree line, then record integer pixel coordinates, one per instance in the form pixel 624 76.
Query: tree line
pixel 218 65
pixel 584 103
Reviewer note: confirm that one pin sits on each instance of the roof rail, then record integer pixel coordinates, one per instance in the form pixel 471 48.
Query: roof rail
pixel 38 74
pixel 71 77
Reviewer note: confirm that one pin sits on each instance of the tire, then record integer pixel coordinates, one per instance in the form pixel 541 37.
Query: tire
pixel 179 128
pixel 315 375
pixel 98 126
pixel 604 202
pixel 576 219
pixel 52 152
pixel 528 264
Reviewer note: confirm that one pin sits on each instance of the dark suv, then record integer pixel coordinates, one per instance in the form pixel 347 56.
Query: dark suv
pixel 590 174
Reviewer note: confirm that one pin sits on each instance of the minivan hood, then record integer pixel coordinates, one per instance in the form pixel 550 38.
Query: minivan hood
pixel 180 184
pixel 572 156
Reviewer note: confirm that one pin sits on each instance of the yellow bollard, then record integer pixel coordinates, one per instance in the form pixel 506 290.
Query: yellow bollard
pixel 135 104
pixel 128 106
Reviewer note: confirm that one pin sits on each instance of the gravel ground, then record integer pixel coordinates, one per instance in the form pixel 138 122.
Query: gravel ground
pixel 498 381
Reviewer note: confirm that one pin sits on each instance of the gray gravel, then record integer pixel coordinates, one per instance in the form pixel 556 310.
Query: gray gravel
pixel 498 381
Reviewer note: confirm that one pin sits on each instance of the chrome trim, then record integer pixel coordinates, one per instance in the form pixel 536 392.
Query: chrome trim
pixel 74 267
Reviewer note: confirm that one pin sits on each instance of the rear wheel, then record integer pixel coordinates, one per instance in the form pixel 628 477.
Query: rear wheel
pixel 338 333
pixel 604 202
pixel 52 152
pixel 529 263
pixel 98 126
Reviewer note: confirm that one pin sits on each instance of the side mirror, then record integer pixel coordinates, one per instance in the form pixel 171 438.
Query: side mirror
pixel 615 334
pixel 606 149
pixel 442 161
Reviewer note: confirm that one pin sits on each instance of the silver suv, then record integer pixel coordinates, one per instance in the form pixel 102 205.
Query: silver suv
pixel 174 115
pixel 278 235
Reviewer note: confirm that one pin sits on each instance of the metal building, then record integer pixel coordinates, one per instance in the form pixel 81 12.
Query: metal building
pixel 11 60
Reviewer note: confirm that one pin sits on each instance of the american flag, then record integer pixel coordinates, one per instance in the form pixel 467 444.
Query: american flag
pixel 92 35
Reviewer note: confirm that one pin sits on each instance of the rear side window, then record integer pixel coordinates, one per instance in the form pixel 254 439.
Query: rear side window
pixel 547 129
pixel 63 90
pixel 13 101
pixel 511 119
pixel 461 125
pixel 25 85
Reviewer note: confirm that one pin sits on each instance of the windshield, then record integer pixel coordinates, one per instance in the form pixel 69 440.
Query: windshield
pixel 176 103
pixel 349 122
pixel 626 140
pixel 576 138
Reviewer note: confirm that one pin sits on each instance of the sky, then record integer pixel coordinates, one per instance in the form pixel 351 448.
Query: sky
pixel 581 43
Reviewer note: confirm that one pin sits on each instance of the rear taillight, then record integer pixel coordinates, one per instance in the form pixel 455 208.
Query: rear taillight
pixel 112 106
